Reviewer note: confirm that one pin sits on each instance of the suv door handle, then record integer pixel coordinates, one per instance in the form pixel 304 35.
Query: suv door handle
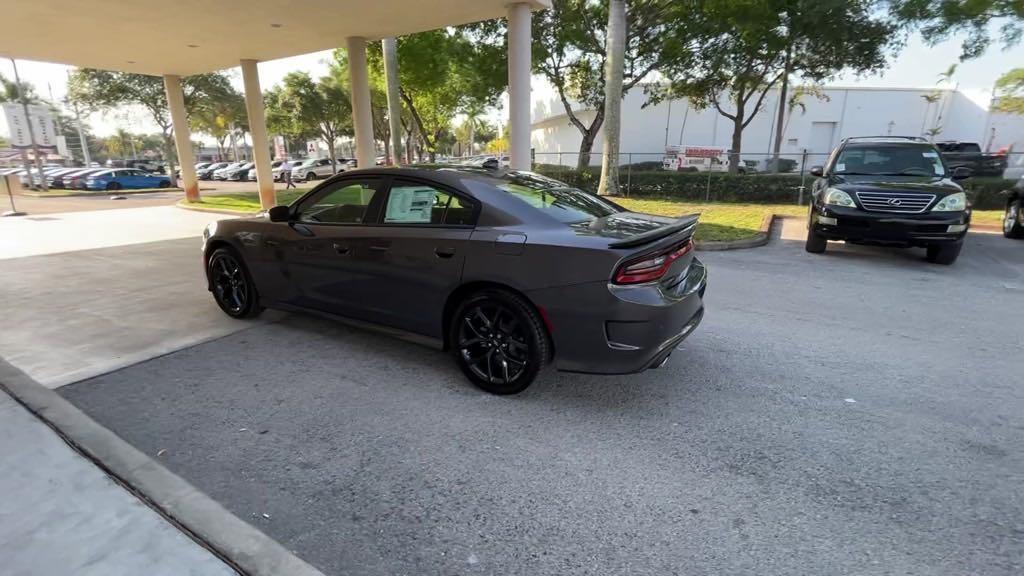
pixel 444 252
pixel 380 247
pixel 341 249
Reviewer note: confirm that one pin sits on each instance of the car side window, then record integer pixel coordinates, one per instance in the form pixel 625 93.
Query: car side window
pixel 345 202
pixel 415 203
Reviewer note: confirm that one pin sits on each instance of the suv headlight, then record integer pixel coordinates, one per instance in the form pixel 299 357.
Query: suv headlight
pixel 952 203
pixel 838 197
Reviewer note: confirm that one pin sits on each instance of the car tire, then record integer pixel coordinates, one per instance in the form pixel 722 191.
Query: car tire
pixel 232 285
pixel 164 184
pixel 310 176
pixel 494 331
pixel 1012 227
pixel 113 186
pixel 816 243
pixel 944 254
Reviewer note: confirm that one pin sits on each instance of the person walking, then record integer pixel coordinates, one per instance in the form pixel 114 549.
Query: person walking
pixel 286 174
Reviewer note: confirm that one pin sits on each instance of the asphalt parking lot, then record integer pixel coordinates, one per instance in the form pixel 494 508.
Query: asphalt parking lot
pixel 859 412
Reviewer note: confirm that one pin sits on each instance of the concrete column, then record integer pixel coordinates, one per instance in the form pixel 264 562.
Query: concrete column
pixel 182 137
pixel 258 129
pixel 390 49
pixel 362 115
pixel 519 85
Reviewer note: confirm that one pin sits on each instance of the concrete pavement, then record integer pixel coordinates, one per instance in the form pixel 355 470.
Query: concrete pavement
pixel 60 514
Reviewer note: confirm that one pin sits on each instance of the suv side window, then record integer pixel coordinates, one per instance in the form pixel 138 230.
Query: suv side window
pixel 344 202
pixel 415 203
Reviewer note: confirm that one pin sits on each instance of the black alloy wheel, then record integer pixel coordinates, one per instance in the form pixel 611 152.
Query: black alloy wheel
pixel 232 287
pixel 499 341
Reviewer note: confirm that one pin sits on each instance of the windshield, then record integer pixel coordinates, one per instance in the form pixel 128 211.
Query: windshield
pixel 883 160
pixel 554 198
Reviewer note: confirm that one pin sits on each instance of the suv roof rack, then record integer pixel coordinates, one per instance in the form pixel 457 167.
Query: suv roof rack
pixel 910 138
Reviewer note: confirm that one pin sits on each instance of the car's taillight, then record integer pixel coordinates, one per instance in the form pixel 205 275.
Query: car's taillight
pixel 650 267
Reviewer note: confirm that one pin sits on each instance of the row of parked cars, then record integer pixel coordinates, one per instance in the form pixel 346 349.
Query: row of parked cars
pixel 302 170
pixel 91 178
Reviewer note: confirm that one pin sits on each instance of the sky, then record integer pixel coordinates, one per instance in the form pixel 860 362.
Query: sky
pixel 917 66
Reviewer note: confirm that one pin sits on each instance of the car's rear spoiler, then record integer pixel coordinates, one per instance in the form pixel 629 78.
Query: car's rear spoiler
pixel 685 224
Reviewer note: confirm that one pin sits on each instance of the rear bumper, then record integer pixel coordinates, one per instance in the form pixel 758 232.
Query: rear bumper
pixel 600 328
pixel 890 229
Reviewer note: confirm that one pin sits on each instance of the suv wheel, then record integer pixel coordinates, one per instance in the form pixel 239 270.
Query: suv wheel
pixel 944 253
pixel 1012 227
pixel 816 243
pixel 311 176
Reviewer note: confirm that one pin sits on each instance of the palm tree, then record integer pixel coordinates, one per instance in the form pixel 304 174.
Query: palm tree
pixel 616 47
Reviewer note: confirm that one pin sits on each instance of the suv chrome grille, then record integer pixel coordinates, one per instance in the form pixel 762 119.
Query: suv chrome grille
pixel 905 202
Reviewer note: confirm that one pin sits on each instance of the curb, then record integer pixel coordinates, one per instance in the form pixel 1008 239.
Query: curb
pixel 97 193
pixel 759 239
pixel 208 523
pixel 184 206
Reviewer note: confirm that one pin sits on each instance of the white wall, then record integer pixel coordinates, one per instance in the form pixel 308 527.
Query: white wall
pixel 854 112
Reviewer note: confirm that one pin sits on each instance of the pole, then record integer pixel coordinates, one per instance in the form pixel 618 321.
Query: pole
pixel 803 166
pixel 10 196
pixel 668 120
pixel 81 138
pixel 686 113
pixel 31 133
pixel 629 167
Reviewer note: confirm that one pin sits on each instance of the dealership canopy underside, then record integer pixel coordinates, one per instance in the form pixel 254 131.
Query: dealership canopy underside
pixel 183 37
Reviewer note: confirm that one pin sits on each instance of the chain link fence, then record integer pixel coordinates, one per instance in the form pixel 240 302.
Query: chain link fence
pixel 759 177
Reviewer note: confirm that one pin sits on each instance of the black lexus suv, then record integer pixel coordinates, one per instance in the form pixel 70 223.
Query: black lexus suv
pixel 889 191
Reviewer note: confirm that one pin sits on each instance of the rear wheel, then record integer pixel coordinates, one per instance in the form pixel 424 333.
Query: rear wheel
pixel 499 341
pixel 311 176
pixel 1012 226
pixel 944 253
pixel 816 243
pixel 164 184
pixel 232 285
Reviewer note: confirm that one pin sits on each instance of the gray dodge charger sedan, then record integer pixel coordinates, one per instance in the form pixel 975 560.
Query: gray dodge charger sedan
pixel 508 270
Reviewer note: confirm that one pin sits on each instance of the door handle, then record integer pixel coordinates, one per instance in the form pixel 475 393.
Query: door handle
pixel 380 247
pixel 341 249
pixel 444 252
pixel 271 243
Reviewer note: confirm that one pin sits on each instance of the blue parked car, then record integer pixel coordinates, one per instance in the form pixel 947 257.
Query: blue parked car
pixel 126 178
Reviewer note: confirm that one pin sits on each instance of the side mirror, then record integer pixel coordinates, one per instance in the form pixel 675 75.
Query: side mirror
pixel 962 173
pixel 817 171
pixel 279 214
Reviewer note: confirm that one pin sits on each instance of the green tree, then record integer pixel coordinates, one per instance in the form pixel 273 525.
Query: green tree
pixel 9 91
pixel 939 19
pixel 569 51
pixel 1010 92
pixel 444 73
pixel 305 107
pixel 222 118
pixel 106 90
pixel 760 43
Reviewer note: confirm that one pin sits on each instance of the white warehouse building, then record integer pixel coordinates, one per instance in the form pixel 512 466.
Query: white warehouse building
pixel 815 127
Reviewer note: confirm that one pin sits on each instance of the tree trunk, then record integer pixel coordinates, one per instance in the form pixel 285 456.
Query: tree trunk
pixel 332 155
pixel 387 152
pixel 737 143
pixel 587 143
pixel 780 123
pixel 609 184
pixel 171 154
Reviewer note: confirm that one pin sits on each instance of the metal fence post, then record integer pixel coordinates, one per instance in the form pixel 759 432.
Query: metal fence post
pixel 803 168
pixel 707 188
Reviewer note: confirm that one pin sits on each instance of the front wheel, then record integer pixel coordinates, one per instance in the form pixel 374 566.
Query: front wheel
pixel 164 184
pixel 816 243
pixel 311 176
pixel 1012 226
pixel 113 186
pixel 944 254
pixel 232 285
pixel 499 341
